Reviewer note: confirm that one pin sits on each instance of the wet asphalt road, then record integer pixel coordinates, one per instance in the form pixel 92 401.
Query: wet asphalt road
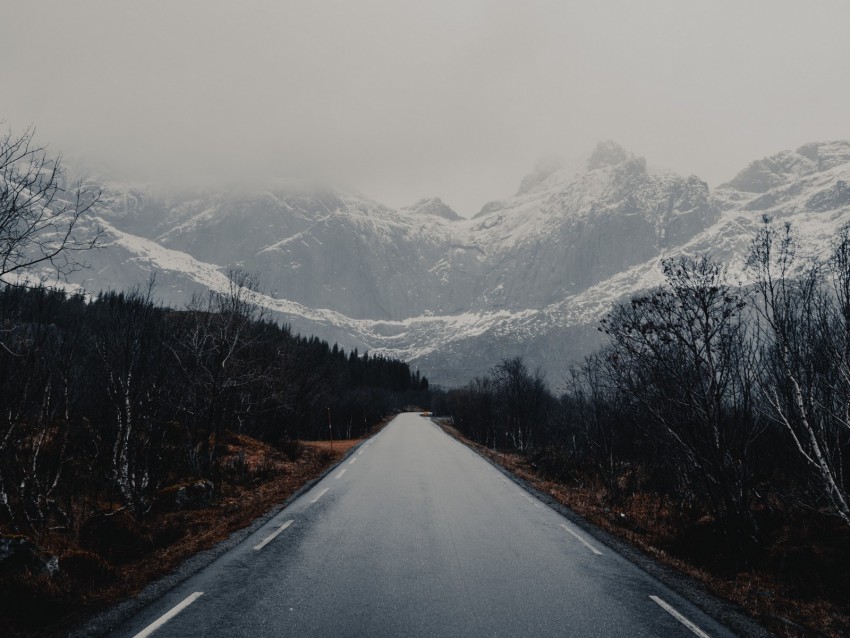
pixel 416 535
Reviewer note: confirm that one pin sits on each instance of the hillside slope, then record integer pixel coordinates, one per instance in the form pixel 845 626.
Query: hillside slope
pixel 528 275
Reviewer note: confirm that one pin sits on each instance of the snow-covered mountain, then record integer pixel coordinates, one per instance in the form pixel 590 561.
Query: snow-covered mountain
pixel 528 275
pixel 433 206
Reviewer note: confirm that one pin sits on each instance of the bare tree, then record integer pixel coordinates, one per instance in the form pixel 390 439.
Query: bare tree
pixel 39 215
pixel 131 351
pixel 590 410
pixel 806 341
pixel 36 398
pixel 213 353
pixel 474 411
pixel 524 402
pixel 684 352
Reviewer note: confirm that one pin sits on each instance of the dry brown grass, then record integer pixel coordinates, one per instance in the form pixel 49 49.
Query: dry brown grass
pixel 648 522
pixel 338 448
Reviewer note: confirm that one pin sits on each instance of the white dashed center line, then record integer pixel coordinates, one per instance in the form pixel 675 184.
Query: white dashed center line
pixel 687 623
pixel 581 540
pixel 147 631
pixel 340 473
pixel 352 460
pixel 268 539
pixel 320 495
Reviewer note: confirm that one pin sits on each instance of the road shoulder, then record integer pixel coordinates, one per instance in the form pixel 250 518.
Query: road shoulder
pixel 727 613
pixel 106 621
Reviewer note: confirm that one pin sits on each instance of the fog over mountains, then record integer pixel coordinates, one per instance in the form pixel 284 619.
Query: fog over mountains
pixel 528 275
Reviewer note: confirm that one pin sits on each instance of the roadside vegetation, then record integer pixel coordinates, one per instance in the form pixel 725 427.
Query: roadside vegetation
pixel 713 430
pixel 132 435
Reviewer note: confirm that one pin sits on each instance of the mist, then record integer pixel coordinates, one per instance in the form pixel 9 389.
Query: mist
pixel 405 100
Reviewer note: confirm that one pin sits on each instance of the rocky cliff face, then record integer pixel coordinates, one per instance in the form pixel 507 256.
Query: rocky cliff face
pixel 432 206
pixel 563 231
pixel 578 227
pixel 528 275
pixel 789 167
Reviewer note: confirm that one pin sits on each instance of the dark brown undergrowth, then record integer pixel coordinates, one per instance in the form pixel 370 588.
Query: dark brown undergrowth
pixel 113 556
pixel 797 582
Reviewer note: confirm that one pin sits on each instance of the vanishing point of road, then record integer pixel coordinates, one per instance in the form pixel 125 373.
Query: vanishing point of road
pixel 416 535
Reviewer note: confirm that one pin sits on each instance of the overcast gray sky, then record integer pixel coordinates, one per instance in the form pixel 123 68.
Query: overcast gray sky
pixel 455 98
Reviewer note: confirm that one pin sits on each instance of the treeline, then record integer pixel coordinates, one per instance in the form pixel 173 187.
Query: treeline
pixel 731 401
pixel 105 402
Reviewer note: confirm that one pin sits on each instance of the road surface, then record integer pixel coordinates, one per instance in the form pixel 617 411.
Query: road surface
pixel 416 535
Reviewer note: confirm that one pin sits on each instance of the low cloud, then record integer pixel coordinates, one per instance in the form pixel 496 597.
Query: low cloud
pixel 409 99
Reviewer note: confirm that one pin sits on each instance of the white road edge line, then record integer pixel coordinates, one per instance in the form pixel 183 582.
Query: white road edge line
pixel 340 473
pixel 352 460
pixel 268 539
pixel 147 631
pixel 581 540
pixel 532 500
pixel 320 495
pixel 687 623
pixel 361 451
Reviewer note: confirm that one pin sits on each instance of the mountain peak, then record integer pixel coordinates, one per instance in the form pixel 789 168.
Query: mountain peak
pixel 433 206
pixel 827 154
pixel 606 154
pixel 545 167
pixel 769 172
